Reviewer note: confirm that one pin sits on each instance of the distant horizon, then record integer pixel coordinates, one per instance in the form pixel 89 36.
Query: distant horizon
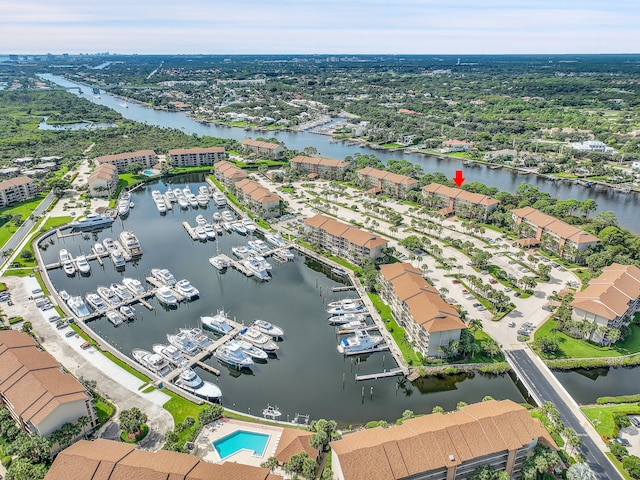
pixel 301 27
pixel 106 53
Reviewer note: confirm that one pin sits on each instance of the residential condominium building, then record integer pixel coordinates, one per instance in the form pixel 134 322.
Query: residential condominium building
pixel 455 201
pixel 344 240
pixel 33 387
pixel 273 151
pixel 429 321
pixel 196 157
pixel 260 201
pixel 16 190
pixel 228 174
pixel 455 146
pixel 122 161
pixel 110 460
pixel 103 181
pixel 440 446
pixel 319 167
pixel 611 299
pixel 560 237
pixel 387 182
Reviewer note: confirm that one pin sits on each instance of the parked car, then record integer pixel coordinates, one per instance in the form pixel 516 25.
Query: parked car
pixel 517 294
pixel 511 324
pixel 508 289
pixel 621 441
pixel 477 305
pixel 455 282
pixel 493 281
pixel 634 420
pixel 70 333
pixel 85 345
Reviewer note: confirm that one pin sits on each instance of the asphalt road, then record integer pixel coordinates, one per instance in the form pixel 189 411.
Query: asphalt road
pixel 26 227
pixel 596 459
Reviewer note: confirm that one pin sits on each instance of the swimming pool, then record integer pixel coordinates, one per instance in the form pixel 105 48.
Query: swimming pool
pixel 149 172
pixel 241 440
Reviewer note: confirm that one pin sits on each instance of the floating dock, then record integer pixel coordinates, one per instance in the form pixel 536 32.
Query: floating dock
pixel 394 372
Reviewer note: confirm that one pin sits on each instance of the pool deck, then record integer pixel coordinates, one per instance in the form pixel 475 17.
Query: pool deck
pixel 220 428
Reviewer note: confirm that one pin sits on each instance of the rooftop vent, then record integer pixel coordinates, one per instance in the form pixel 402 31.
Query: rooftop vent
pixel 452 458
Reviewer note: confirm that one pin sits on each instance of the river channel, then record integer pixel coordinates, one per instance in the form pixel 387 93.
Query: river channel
pixel 307 376
pixel 624 205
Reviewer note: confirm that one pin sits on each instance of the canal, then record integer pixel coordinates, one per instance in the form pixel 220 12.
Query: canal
pixel 624 205
pixel 307 376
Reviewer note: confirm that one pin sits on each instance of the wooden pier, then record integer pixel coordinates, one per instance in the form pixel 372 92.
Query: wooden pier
pixel 157 284
pixel 137 299
pixel 344 288
pixel 394 372
pixel 190 230
pixel 379 348
pixel 92 256
pixel 237 265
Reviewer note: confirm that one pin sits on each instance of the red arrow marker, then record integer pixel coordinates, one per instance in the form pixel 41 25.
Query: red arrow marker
pixel 459 179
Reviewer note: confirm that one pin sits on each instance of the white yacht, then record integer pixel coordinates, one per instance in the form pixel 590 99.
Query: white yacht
pixel 219 199
pixel 360 342
pixel 204 190
pixel 200 232
pixel 182 342
pixel 233 355
pixel 91 222
pixel 259 246
pixel 227 216
pixel 348 308
pixel 198 337
pixel 165 295
pixel 217 323
pixel 183 202
pixel 185 289
pixel 254 352
pixel 275 240
pixel 345 302
pixel 256 269
pixel 261 262
pixel 200 220
pixel 161 205
pixel 114 318
pixel 118 259
pixel 219 262
pixel 152 361
pixel 99 248
pixel 210 231
pixel 64 255
pixel 346 318
pixel 83 264
pixel 134 285
pixel 130 243
pixel 193 200
pixel 170 195
pixel 78 307
pixel 163 275
pixel 68 268
pixel 249 225
pixel 203 200
pixel 123 207
pixel 228 226
pixel 241 251
pixel 268 328
pixel 171 353
pixel 108 296
pixel 156 195
pixel 351 327
pixel 109 244
pixel 64 295
pixel 217 217
pixel 192 383
pixel 95 301
pixel 240 228
pixel 121 291
pixel 127 312
pixel 259 339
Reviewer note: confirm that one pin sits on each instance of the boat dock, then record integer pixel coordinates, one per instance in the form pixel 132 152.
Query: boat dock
pixel 157 284
pixel 93 256
pixel 344 288
pixel 394 372
pixel 137 299
pixel 379 348
pixel 190 230
pixel 237 265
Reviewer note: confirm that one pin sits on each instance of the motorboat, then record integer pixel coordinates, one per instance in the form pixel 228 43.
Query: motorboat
pixel 284 254
pixel 210 231
pixel 271 412
pixel 183 202
pixel 183 343
pixel 203 200
pixel 360 342
pixel 346 318
pixel 268 328
pixel 109 245
pixel 348 308
pixel 64 255
pixel 68 268
pixel 219 199
pixel 256 269
pixel 259 246
pixel 163 275
pixel 121 291
pixel 200 220
pixel 259 339
pixel 123 207
pixel 130 243
pixel 351 327
pixel 185 289
pixel 78 307
pixel 127 312
pixel 204 190
pixel 200 232
pixel 219 262
pixel 134 285
pixel 193 200
pixel 92 221
pixel 108 295
pixel 227 216
pixel 153 362
pixel 261 262
pixel 241 252
pixel 275 240
pixel 178 192
pixel 170 195
pixel 217 323
pixel 217 217
pixel 99 248
pixel 171 353
pixel 156 195
pixel 249 225
pixel 240 228
pixel 114 318
pixel 95 301
pixel 186 191
pixel 345 302
pixel 118 259
pixel 83 265
pixel 192 383
pixel 161 205
pixel 254 352
pixel 165 296
pixel 227 226
pixel 64 295
pixel 219 228
pixel 198 337
pixel 233 355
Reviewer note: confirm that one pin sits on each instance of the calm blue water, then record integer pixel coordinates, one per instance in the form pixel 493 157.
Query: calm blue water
pixel 241 439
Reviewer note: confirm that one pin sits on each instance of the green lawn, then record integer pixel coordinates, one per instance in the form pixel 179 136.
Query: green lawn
pixel 104 411
pixel 602 417
pixel 23 209
pixel 574 348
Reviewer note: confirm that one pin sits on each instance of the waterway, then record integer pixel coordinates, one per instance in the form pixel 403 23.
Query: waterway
pixel 624 205
pixel 307 376
pixel 585 386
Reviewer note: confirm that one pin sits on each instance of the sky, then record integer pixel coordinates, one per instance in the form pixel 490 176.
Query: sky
pixel 320 26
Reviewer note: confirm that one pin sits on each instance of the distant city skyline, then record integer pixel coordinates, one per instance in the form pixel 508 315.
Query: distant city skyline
pixel 320 26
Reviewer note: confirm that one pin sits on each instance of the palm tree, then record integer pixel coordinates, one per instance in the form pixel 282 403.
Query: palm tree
pixel 83 421
pixel 475 324
pixel 580 471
